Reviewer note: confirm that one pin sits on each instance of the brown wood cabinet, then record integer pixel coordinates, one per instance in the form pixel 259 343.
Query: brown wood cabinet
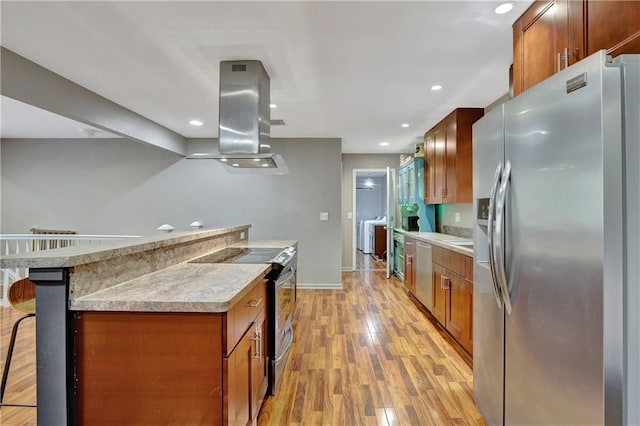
pixel 247 370
pixel 453 294
pixel 410 264
pixel 613 25
pixel 379 241
pixel 448 158
pixel 172 368
pixel 553 34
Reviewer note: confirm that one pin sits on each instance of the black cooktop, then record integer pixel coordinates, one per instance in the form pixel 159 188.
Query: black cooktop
pixel 240 255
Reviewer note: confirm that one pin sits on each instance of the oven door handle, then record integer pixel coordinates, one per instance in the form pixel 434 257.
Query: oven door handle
pixel 289 332
pixel 286 276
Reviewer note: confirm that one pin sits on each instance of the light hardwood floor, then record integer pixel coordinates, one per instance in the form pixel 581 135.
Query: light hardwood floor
pixel 364 355
pixel 366 262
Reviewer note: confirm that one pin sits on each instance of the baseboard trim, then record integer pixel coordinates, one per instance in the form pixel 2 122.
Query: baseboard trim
pixel 347 269
pixel 320 286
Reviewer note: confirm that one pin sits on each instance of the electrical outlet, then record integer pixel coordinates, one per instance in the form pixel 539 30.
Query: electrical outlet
pixel 324 216
pixel 457 217
pixel 349 215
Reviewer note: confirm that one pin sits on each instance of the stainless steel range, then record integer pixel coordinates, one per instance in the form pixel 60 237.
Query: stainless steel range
pixel 282 296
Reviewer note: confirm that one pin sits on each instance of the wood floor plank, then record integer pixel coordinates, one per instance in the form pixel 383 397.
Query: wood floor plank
pixel 363 355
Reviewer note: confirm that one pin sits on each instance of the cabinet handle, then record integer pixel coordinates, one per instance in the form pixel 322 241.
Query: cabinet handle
pixel 443 282
pixel 258 340
pixel 254 303
pixel 560 57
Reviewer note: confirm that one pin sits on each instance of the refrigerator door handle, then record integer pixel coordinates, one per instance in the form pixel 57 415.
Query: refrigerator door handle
pixel 498 236
pixel 492 206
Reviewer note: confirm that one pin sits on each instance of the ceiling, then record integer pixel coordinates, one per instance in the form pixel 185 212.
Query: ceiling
pixel 353 70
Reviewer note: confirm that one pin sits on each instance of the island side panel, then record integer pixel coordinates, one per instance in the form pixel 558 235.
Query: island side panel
pixel 149 368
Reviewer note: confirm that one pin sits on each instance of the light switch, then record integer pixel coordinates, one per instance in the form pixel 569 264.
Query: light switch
pixel 324 216
pixel 457 217
pixel 349 215
pixel 242 235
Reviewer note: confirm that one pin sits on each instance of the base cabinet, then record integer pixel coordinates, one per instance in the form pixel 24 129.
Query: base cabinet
pixel 453 295
pixel 247 369
pixel 170 368
pixel 410 264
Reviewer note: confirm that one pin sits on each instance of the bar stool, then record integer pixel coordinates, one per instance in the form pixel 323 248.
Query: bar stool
pixel 22 296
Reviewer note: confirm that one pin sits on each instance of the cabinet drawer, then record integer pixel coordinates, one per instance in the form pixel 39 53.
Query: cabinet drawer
pixel 450 260
pixel 243 313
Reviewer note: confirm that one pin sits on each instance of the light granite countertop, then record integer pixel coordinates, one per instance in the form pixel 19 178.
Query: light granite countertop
pixel 442 240
pixel 187 287
pixel 79 255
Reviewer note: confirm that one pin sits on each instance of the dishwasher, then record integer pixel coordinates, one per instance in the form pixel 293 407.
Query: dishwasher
pixel 424 287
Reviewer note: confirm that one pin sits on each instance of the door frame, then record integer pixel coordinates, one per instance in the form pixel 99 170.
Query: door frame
pixel 354 222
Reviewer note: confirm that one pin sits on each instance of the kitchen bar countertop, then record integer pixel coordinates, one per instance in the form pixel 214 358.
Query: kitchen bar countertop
pixel 443 240
pixel 79 255
pixel 153 274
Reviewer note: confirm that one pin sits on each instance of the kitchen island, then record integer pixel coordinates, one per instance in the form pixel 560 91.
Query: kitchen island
pixel 130 332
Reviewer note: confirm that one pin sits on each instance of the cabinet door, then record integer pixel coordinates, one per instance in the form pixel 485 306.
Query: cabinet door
pixel 259 364
pixel 450 136
pixel 409 265
pixel 458 307
pixel 548 37
pixel 613 25
pixel 239 382
pixel 439 309
pixel 429 167
pixel 419 180
pixel 439 171
pixel 411 182
pixel 535 53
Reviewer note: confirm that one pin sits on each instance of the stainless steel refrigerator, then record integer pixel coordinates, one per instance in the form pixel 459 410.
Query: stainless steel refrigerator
pixel 556 300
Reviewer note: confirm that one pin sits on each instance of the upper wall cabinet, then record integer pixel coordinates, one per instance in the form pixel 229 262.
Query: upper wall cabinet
pixel 613 25
pixel 553 34
pixel 448 174
pixel 547 37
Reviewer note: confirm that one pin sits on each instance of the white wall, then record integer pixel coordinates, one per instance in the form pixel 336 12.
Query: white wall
pixel 370 202
pixel 119 186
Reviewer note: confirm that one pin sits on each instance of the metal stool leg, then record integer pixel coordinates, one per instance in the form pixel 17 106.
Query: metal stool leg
pixel 7 364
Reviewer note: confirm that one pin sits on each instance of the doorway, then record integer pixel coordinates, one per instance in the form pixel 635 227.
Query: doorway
pixel 370 219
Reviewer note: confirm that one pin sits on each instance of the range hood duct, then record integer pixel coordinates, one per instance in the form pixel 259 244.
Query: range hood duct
pixel 244 120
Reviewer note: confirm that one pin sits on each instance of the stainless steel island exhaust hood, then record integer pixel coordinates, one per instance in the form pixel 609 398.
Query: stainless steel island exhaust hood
pixel 244 121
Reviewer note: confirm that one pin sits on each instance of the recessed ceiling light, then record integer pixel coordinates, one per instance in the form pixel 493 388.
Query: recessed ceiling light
pixel 503 8
pixel 224 160
pixel 273 106
pixel 404 125
pixel 235 165
pixel 436 87
pixel 384 143
pixel 256 160
pixel 265 165
pixel 195 122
